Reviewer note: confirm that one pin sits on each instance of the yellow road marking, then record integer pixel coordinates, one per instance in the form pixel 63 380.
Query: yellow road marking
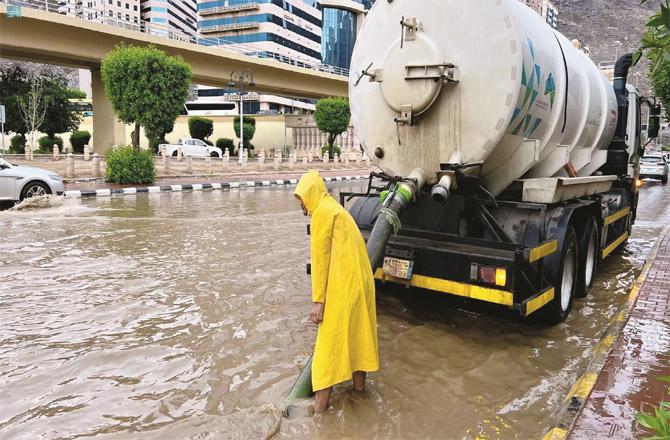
pixel 582 388
pixel 615 244
pixel 606 343
pixel 556 434
pixel 543 250
pixel 616 216
pixel 455 288
pixel 537 303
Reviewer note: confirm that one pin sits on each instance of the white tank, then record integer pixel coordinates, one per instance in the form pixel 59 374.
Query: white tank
pixel 467 81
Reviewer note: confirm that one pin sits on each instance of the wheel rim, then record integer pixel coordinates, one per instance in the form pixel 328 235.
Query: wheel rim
pixel 35 191
pixel 590 260
pixel 568 278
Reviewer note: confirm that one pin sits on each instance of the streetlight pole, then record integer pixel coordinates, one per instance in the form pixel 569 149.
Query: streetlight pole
pixel 238 79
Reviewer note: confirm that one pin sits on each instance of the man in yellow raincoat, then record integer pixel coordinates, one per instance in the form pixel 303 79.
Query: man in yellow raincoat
pixel 343 292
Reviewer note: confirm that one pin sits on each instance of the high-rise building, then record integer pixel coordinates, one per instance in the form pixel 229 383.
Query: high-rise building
pixel 546 9
pixel 98 10
pixel 286 27
pixel 535 5
pixel 550 13
pixel 339 34
pixel 174 16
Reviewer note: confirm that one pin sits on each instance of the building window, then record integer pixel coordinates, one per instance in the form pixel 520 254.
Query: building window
pixel 134 7
pixel 118 3
pixel 111 14
pixel 127 6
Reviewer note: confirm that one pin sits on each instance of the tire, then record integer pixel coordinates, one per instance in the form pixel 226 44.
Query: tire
pixel 565 284
pixel 214 154
pixel 588 259
pixel 175 153
pixel 34 189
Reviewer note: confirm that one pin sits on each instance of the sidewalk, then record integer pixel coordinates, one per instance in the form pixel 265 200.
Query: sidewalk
pixel 178 172
pixel 628 381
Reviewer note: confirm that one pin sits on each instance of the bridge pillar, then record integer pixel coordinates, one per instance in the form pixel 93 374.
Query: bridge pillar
pixel 107 130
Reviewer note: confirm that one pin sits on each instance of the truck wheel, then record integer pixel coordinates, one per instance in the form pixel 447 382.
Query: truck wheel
pixel 565 283
pixel 588 259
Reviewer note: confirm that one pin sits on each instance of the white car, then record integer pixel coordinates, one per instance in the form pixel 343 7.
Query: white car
pixel 20 182
pixel 655 166
pixel 191 147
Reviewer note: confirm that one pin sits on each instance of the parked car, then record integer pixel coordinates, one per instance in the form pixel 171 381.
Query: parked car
pixel 20 182
pixel 191 147
pixel 655 167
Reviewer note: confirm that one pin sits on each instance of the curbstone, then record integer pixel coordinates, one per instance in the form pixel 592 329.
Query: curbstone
pixel 106 192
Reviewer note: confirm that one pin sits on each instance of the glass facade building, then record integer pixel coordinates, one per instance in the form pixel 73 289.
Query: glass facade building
pixel 339 35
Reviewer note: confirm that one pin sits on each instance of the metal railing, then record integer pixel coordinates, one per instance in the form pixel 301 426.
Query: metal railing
pixel 77 10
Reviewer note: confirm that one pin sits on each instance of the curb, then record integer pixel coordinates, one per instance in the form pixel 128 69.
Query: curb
pixel 106 192
pixel 581 390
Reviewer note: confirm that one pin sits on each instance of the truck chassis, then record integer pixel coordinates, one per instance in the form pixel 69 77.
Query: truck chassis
pixel 534 258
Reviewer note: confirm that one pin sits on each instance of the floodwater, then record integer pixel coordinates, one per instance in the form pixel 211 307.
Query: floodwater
pixel 184 315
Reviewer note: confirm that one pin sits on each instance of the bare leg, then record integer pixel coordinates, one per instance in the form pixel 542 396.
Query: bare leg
pixel 321 399
pixel 359 380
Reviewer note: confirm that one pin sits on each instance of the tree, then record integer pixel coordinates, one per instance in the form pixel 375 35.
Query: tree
pixel 32 109
pixel 249 130
pixel 332 116
pixel 200 128
pixel 14 84
pixel 660 83
pixel 147 88
pixel 61 115
pixel 656 41
pixel 76 94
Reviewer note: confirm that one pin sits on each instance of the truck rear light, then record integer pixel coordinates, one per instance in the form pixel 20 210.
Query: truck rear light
pixel 490 275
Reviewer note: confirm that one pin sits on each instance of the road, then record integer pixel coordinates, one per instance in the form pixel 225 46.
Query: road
pixel 185 314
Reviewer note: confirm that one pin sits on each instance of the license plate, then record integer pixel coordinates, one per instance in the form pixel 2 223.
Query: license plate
pixel 398 268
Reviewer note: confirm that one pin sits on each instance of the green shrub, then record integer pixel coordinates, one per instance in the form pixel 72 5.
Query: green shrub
pixel 249 130
pixel 336 150
pixel 200 128
pixel 126 165
pixel 46 143
pixel 17 144
pixel 78 140
pixel 224 143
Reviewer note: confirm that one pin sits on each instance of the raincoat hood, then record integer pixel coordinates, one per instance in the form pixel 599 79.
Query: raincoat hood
pixel 311 189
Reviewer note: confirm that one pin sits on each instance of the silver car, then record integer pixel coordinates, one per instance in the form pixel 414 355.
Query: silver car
pixel 20 182
pixel 654 167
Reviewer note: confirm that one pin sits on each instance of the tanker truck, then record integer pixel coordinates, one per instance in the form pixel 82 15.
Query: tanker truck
pixel 509 162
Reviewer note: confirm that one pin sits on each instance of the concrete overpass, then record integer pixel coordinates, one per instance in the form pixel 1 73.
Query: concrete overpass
pixel 51 38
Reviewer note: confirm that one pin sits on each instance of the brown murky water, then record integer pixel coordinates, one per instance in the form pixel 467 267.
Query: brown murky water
pixel 185 316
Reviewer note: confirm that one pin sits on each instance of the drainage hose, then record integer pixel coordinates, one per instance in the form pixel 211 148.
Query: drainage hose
pixel 387 224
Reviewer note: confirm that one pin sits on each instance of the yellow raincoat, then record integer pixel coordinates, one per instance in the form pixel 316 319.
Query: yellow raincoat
pixel 342 279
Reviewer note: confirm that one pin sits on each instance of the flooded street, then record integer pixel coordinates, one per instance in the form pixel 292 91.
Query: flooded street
pixel 185 315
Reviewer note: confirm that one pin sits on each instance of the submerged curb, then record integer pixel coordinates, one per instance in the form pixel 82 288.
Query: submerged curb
pixel 581 390
pixel 106 192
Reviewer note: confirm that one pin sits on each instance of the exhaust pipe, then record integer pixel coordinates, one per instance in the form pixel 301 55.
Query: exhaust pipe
pixel 621 69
